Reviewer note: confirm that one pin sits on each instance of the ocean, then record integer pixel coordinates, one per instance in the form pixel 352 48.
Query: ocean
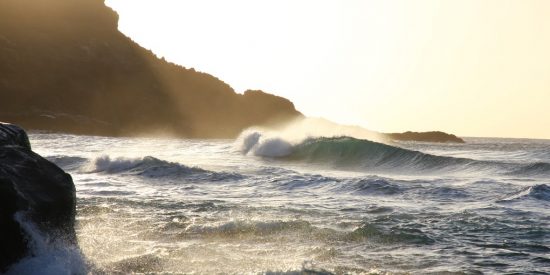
pixel 325 205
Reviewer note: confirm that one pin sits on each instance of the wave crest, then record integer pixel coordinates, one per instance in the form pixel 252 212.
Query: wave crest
pixel 155 168
pixel 533 169
pixel 146 166
pixel 260 145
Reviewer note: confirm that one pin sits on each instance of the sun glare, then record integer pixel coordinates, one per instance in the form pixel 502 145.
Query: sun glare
pixel 386 65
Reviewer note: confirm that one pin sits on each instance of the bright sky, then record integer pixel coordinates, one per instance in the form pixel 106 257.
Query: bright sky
pixel 468 67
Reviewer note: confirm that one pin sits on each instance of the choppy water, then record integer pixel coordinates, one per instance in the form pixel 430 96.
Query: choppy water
pixel 334 205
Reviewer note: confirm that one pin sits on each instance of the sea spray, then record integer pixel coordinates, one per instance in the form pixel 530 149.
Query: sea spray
pixel 50 255
pixel 308 127
pixel 264 146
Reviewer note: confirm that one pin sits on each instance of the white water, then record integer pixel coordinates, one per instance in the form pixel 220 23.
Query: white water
pixel 268 204
pixel 50 257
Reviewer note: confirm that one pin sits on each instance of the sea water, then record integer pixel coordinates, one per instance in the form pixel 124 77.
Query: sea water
pixel 321 205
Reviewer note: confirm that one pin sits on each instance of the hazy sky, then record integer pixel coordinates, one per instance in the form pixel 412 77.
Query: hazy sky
pixel 473 68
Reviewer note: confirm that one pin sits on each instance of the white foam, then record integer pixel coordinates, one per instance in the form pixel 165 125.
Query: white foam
pixel 48 256
pixel 106 164
pixel 248 140
pixel 258 144
pixel 273 147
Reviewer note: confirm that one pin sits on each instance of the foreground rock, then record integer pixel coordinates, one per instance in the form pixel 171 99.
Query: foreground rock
pixel 434 136
pixel 32 190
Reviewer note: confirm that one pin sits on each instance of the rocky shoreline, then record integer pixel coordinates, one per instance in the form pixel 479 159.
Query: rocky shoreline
pixel 33 192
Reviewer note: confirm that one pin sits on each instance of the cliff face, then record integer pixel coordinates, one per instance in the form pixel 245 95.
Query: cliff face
pixel 64 66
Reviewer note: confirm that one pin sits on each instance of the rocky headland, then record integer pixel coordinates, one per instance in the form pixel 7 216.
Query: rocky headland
pixel 433 136
pixel 64 66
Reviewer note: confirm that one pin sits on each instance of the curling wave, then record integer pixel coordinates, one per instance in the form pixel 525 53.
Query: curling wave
pixel 349 152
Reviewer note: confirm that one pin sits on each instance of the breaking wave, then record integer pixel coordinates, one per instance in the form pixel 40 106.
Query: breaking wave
pixel 154 168
pixel 353 153
pixel 48 255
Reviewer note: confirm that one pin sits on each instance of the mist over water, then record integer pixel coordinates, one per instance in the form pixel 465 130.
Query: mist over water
pixel 272 202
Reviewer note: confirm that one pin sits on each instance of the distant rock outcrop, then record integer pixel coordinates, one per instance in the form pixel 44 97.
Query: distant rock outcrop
pixel 435 136
pixel 36 190
pixel 64 66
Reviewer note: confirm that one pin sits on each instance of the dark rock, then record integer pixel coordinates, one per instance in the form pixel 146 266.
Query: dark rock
pixel 434 136
pixel 13 135
pixel 37 189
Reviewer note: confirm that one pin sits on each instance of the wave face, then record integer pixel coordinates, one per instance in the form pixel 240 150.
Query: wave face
pixel 532 169
pixel 351 153
pixel 347 151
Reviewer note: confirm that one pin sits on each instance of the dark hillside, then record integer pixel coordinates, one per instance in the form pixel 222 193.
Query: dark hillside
pixel 64 66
